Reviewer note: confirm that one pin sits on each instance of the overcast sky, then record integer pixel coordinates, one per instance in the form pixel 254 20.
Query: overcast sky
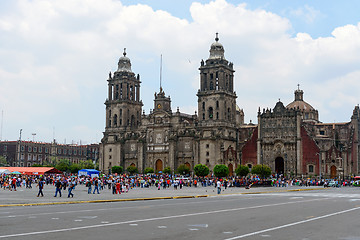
pixel 55 57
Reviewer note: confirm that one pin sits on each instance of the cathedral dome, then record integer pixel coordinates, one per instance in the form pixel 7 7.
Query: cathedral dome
pixel 124 64
pixel 216 49
pixel 308 112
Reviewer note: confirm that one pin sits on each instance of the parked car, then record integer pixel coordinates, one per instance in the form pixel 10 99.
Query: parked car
pixel 333 184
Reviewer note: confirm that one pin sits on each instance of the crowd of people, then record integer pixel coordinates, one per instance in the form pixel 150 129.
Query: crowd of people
pixel 119 184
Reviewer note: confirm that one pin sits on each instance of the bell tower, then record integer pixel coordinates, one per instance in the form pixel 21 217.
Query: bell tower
pixel 123 105
pixel 216 96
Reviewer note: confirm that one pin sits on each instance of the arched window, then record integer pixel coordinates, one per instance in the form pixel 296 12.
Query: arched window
pixel 115 120
pixel 229 114
pixel 211 85
pixel 203 105
pixel 203 116
pixel 311 168
pixel 217 115
pixel 217 104
pixel 211 113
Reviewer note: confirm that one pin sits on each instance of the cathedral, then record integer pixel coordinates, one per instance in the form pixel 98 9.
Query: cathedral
pixel 289 139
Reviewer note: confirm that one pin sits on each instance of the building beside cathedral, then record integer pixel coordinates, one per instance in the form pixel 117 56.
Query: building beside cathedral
pixel 291 140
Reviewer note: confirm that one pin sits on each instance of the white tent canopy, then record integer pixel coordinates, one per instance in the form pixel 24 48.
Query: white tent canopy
pixel 4 171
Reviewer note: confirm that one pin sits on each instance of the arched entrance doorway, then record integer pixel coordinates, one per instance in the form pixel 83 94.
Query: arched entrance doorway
pixel 158 165
pixel 188 165
pixel 279 165
pixel 333 171
pixel 231 169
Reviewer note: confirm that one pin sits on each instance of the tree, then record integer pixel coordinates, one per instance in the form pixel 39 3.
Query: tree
pixel 74 168
pixel 201 170
pixel 3 161
pixel 167 170
pixel 148 170
pixel 62 165
pixel 183 169
pixel 242 170
pixel 117 169
pixel 262 170
pixel 221 170
pixel 37 165
pixel 88 164
pixel 132 170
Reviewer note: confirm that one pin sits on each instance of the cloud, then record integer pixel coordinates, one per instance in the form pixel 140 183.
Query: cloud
pixel 307 13
pixel 56 55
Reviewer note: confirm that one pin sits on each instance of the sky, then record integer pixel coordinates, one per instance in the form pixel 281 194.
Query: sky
pixel 55 57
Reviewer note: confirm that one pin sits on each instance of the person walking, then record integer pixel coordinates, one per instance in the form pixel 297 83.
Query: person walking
pixel 218 185
pixel 41 187
pixel 88 185
pixel 70 188
pixel 96 186
pixel 57 187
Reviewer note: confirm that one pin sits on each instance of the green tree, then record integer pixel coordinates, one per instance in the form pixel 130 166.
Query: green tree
pixel 74 168
pixel 183 169
pixel 201 170
pixel 117 169
pixel 221 170
pixel 88 164
pixel 3 162
pixel 148 170
pixel 167 170
pixel 37 165
pixel 62 165
pixel 242 170
pixel 262 170
pixel 132 170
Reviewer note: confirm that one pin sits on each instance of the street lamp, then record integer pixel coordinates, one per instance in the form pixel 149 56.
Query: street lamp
pixel 319 164
pixel 343 169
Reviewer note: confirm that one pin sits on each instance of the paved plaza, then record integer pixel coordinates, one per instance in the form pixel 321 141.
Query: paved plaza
pixel 28 196
pixel 300 213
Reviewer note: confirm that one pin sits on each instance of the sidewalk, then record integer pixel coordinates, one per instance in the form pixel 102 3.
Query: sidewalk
pixel 25 196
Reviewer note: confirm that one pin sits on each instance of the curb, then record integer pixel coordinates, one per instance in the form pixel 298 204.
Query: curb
pixel 148 199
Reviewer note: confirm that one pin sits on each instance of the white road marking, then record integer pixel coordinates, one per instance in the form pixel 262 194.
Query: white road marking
pixel 77 220
pixel 112 208
pixel 265 235
pixel 156 218
pixel 199 225
pixel 55 218
pixel 193 229
pixel 162 226
pixel 227 232
pixel 133 224
pixel 104 222
pixel 293 224
pixel 32 217
pixel 88 217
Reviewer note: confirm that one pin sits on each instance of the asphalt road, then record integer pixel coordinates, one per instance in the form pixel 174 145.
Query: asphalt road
pixel 319 214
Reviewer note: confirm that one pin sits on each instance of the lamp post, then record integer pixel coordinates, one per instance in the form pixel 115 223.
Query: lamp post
pixel 319 164
pixel 342 167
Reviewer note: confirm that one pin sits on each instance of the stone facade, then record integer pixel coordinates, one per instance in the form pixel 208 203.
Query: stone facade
pixel 291 140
